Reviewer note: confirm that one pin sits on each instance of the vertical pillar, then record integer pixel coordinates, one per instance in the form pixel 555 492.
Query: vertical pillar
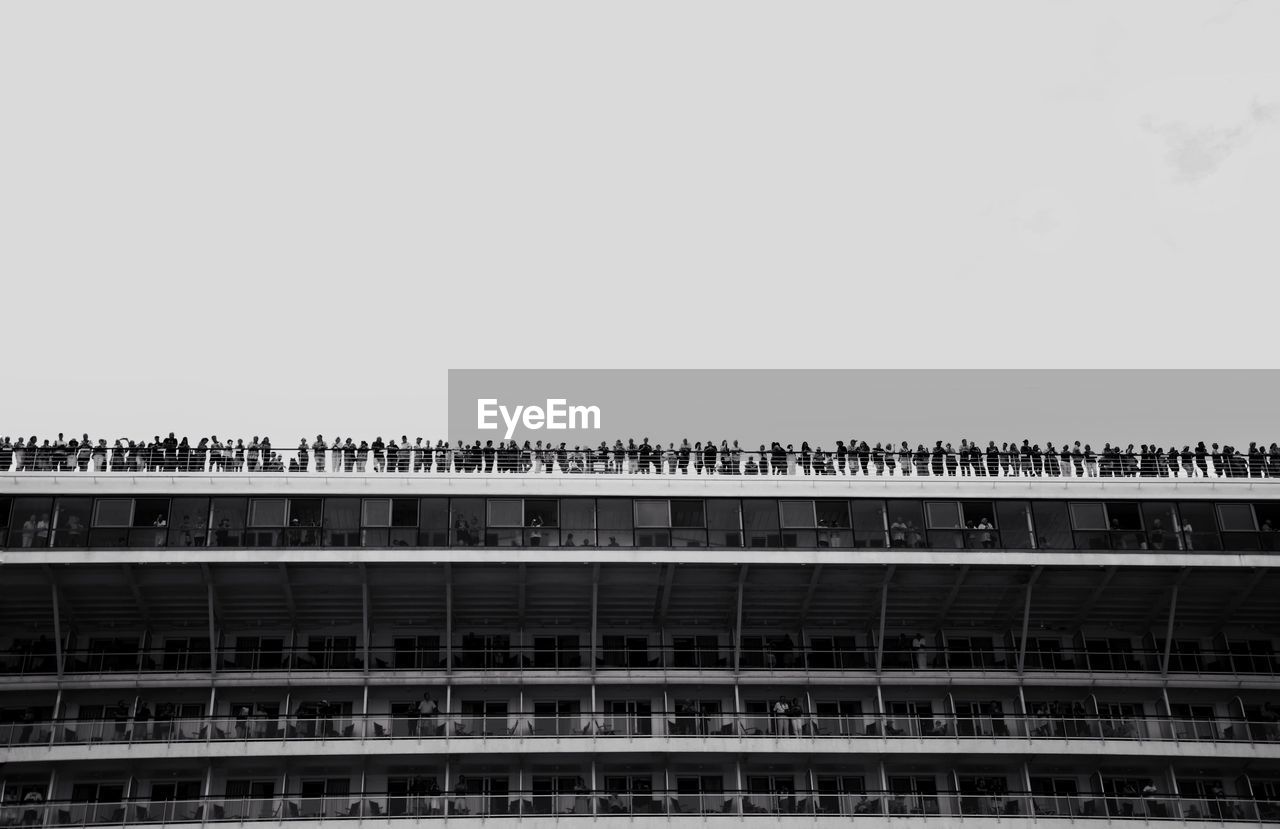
pixel 213 627
pixel 884 607
pixel 57 628
pixel 364 607
pixel 448 618
pixel 1168 631
pixel 737 626
pixel 595 611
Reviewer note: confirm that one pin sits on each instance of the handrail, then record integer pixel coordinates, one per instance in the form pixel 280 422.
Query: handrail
pixel 617 459
pixel 427 800
pixel 785 660
pixel 334 725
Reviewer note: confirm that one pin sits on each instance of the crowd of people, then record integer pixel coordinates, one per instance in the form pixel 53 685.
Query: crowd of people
pixel 854 458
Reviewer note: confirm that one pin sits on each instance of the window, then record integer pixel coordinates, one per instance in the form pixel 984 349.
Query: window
pixel 1199 527
pixel 687 512
pixel 1053 527
pixel 834 514
pixel 615 514
pixel 1236 518
pixel 942 515
pixel 652 514
pixel 267 512
pixel 506 512
pixel 5 503
pixel 541 512
pixel 113 512
pixel 1088 516
pixel 1013 520
pixel 797 513
pixel 150 512
pixel 71 522
pixel 433 522
pixel 724 518
pixel 404 512
pixel 376 512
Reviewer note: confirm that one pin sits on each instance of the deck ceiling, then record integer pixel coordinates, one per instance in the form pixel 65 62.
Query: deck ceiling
pixel 774 596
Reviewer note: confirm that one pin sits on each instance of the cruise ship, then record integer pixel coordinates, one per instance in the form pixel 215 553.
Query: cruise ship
pixel 191 647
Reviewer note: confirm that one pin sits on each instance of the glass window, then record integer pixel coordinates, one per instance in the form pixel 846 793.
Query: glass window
pixel 832 513
pixel 652 513
pixel 869 528
pixel 1088 515
pixel 506 512
pixel 113 512
pixel 724 514
pixel 190 522
pixel 797 513
pixel 1162 525
pixel 376 512
pixel 71 521
pixel 687 512
pixel 578 513
pixel 1199 529
pixel 615 513
pixel 942 514
pixel 341 513
pixel 227 521
pixel 977 512
pixel 433 514
pixel 404 512
pixel 908 516
pixel 1236 517
pixel 267 512
pixel 760 514
pixel 1013 520
pixel 1124 515
pixel 304 512
pixel 150 512
pixel 544 510
pixel 4 511
pixel 1053 528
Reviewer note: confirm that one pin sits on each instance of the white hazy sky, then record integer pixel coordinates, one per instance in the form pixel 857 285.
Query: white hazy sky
pixel 294 216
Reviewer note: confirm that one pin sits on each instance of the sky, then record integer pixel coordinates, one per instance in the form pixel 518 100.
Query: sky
pixel 296 216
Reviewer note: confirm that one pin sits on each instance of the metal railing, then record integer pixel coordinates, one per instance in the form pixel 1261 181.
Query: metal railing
pixel 616 460
pixel 514 658
pixel 320 725
pixel 583 802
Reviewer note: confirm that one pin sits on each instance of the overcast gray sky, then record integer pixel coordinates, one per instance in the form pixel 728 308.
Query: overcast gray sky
pixel 295 216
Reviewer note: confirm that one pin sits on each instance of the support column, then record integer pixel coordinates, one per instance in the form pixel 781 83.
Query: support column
pixel 213 627
pixel 1026 618
pixel 737 626
pixel 884 607
pixel 448 618
pixel 57 629
pixel 1168 630
pixel 364 607
pixel 595 619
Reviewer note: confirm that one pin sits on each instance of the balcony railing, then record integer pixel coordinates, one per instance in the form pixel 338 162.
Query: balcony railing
pixel 411 461
pixel 321 726
pixel 775 659
pixel 583 802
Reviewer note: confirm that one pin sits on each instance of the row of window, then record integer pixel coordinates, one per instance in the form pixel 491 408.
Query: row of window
pixel 78 521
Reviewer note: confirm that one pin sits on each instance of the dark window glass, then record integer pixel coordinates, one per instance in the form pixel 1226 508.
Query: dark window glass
pixel 267 512
pixel 404 512
pixel 150 512
pixel 652 513
pixel 977 511
pixel 113 512
pixel 942 515
pixel 797 513
pixel 724 514
pixel 1088 515
pixel 578 513
pixel 1053 528
pixel 906 523
pixel 466 521
pixel 1013 524
pixel 760 514
pixel 71 522
pixel 687 512
pixel 376 512
pixel 1199 526
pixel 1162 525
pixel 190 524
pixel 869 527
pixel 342 522
pixel 832 513
pixel 1124 515
pixel 545 510
pixel 5 504
pixel 226 521
pixel 506 512
pixel 614 514
pixel 1236 517
pixel 434 514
